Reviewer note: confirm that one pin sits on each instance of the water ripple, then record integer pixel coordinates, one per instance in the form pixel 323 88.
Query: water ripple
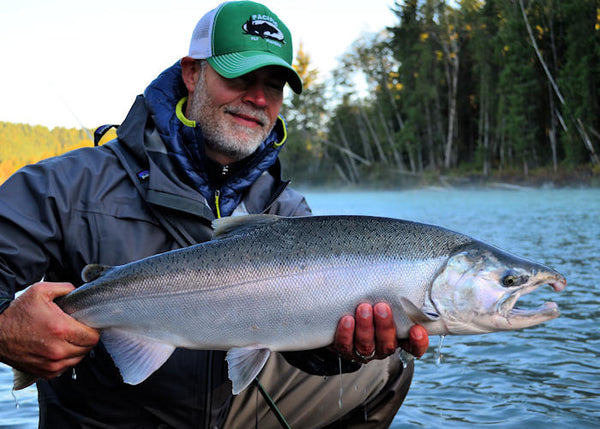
pixel 545 376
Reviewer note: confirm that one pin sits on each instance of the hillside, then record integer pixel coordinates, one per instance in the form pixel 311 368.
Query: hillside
pixel 22 144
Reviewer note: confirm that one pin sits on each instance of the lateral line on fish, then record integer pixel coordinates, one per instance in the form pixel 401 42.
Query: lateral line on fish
pixel 444 274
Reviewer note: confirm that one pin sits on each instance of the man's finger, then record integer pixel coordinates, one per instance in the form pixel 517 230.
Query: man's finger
pixel 55 290
pixel 419 340
pixel 82 335
pixel 364 334
pixel 385 330
pixel 343 341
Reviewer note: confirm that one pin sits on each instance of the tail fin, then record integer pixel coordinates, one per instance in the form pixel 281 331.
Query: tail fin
pixel 21 379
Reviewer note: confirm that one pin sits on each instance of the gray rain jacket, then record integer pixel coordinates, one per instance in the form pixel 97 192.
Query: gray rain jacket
pixel 120 202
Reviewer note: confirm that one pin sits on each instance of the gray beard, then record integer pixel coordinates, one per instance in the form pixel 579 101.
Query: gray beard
pixel 235 142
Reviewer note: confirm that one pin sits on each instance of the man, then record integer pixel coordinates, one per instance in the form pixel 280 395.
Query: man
pixel 201 143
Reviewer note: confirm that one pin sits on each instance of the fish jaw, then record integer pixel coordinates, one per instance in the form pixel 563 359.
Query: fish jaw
pixel 509 314
pixel 478 289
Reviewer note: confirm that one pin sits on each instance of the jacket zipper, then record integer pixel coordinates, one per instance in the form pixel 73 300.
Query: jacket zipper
pixel 217 208
pixel 224 173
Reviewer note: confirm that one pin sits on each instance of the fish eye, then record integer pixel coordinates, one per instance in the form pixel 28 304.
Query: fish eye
pixel 512 279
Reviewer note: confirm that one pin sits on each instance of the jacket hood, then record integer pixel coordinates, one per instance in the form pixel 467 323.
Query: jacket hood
pixel 186 147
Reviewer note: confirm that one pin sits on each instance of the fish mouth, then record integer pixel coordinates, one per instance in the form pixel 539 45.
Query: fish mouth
pixel 548 310
pixel 524 317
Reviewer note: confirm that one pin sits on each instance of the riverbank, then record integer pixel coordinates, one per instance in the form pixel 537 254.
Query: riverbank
pixel 579 177
pixel 541 178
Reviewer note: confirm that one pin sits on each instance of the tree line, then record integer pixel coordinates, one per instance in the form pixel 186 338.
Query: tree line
pixel 22 144
pixel 489 88
pixel 495 88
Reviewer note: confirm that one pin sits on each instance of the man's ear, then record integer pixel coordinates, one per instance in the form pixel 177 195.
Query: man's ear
pixel 190 70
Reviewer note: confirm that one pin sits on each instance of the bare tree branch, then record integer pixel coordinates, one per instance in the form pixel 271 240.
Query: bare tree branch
pixel 539 55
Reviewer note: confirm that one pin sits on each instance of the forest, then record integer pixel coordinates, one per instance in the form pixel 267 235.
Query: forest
pixel 487 90
pixel 466 91
pixel 22 144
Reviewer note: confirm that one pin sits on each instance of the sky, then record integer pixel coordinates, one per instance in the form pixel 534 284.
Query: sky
pixel 74 63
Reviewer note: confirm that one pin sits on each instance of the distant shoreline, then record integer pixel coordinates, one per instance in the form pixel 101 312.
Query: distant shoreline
pixel 580 177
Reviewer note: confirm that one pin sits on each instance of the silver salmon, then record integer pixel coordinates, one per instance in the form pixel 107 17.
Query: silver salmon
pixel 268 283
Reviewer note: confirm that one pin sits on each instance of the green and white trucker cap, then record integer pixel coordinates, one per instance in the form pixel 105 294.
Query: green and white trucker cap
pixel 238 37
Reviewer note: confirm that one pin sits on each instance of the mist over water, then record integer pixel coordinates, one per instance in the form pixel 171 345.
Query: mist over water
pixel 548 375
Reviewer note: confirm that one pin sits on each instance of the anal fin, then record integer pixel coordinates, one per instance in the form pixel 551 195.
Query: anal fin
pixel 244 366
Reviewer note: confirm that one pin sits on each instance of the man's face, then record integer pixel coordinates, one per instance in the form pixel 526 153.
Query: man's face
pixel 236 115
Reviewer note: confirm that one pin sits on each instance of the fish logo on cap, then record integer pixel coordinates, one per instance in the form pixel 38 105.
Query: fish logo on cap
pixel 264 29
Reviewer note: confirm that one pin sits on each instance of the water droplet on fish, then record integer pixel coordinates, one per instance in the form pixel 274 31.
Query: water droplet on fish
pixel 438 359
pixel 405 357
pixel 341 386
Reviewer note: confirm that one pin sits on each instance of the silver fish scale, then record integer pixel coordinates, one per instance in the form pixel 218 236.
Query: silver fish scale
pixel 283 284
pixel 357 235
pixel 281 276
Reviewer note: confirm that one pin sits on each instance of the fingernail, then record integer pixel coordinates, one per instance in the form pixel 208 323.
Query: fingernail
pixel 381 311
pixel 364 311
pixel 347 322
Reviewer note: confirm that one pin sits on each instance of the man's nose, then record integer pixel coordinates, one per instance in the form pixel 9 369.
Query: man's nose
pixel 255 94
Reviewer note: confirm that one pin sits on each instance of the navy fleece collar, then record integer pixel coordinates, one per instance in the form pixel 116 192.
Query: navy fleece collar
pixel 186 147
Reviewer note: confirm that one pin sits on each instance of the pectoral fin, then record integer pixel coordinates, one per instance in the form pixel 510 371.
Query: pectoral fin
pixel 415 314
pixel 431 320
pixel 244 366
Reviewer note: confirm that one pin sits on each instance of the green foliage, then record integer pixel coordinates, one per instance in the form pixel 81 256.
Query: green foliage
pixel 579 78
pixel 22 144
pixel 518 87
pixel 488 87
pixel 496 85
pixel 305 121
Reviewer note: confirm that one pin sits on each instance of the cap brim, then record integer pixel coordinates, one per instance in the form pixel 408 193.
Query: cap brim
pixel 239 63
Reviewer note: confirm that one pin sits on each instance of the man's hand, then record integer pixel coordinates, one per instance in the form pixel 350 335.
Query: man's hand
pixel 372 335
pixel 37 337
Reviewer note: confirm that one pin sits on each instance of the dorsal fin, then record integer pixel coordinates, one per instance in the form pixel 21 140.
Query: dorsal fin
pixel 93 271
pixel 239 225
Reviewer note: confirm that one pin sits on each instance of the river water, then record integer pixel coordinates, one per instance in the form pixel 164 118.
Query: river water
pixel 548 375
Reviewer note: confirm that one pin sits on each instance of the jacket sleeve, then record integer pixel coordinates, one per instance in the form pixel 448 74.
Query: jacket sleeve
pixel 323 362
pixel 29 233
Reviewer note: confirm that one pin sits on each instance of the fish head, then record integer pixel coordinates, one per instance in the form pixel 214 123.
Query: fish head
pixel 479 286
